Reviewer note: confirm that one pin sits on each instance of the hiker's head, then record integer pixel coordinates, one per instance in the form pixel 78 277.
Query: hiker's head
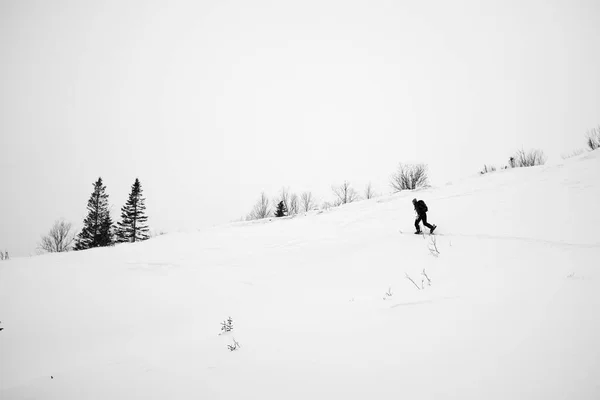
pixel 414 201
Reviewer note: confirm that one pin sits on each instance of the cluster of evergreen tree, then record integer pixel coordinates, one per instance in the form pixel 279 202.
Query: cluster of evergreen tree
pixel 98 228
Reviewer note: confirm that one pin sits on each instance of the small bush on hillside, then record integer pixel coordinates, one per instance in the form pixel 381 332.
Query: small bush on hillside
pixel 234 346
pixel 413 282
pixel 593 138
pixel 327 205
pixel 433 249
pixel 529 158
pixel 369 192
pixel 307 202
pixel 262 208
pixel 59 239
pixel 294 207
pixel 227 325
pixel 389 293
pixel 487 169
pixel 426 277
pixel 409 177
pixel 344 194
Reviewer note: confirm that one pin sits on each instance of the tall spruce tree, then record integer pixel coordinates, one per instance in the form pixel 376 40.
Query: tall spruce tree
pixel 133 227
pixel 97 226
pixel 281 210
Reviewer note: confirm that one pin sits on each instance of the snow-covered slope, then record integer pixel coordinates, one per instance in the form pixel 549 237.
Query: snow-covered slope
pixel 512 309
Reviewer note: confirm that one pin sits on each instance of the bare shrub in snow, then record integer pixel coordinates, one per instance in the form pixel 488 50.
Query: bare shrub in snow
pixel 227 325
pixel 410 279
pixel 409 177
pixel 344 194
pixel 388 293
pixel 59 239
pixel 433 246
pixel 426 277
pixel 487 169
pixel 234 346
pixel 294 207
pixel 327 205
pixel 261 209
pixel 369 192
pixel 529 158
pixel 593 138
pixel 307 202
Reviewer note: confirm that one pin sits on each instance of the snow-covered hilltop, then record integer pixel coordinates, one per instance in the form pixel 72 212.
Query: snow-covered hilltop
pixel 321 306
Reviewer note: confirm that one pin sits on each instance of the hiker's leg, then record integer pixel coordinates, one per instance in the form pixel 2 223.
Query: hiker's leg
pixel 424 218
pixel 418 228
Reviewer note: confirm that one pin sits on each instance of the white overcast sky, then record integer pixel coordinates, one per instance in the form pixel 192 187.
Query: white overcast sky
pixel 209 103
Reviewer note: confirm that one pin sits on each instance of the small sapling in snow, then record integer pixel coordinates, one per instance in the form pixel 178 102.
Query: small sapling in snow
pixel 424 280
pixel 433 246
pixel 227 325
pixel 234 346
pixel 426 277
pixel 388 293
pixel 410 279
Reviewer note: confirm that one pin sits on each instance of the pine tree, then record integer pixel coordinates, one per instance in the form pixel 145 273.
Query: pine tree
pixel 281 210
pixel 107 233
pixel 133 227
pixel 97 226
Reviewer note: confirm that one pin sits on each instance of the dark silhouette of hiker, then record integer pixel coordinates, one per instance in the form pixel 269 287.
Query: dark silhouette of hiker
pixel 421 210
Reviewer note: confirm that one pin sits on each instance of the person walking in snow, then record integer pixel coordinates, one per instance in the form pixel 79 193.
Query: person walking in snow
pixel 421 210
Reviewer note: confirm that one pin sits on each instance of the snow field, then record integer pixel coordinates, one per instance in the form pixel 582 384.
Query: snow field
pixel 511 312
